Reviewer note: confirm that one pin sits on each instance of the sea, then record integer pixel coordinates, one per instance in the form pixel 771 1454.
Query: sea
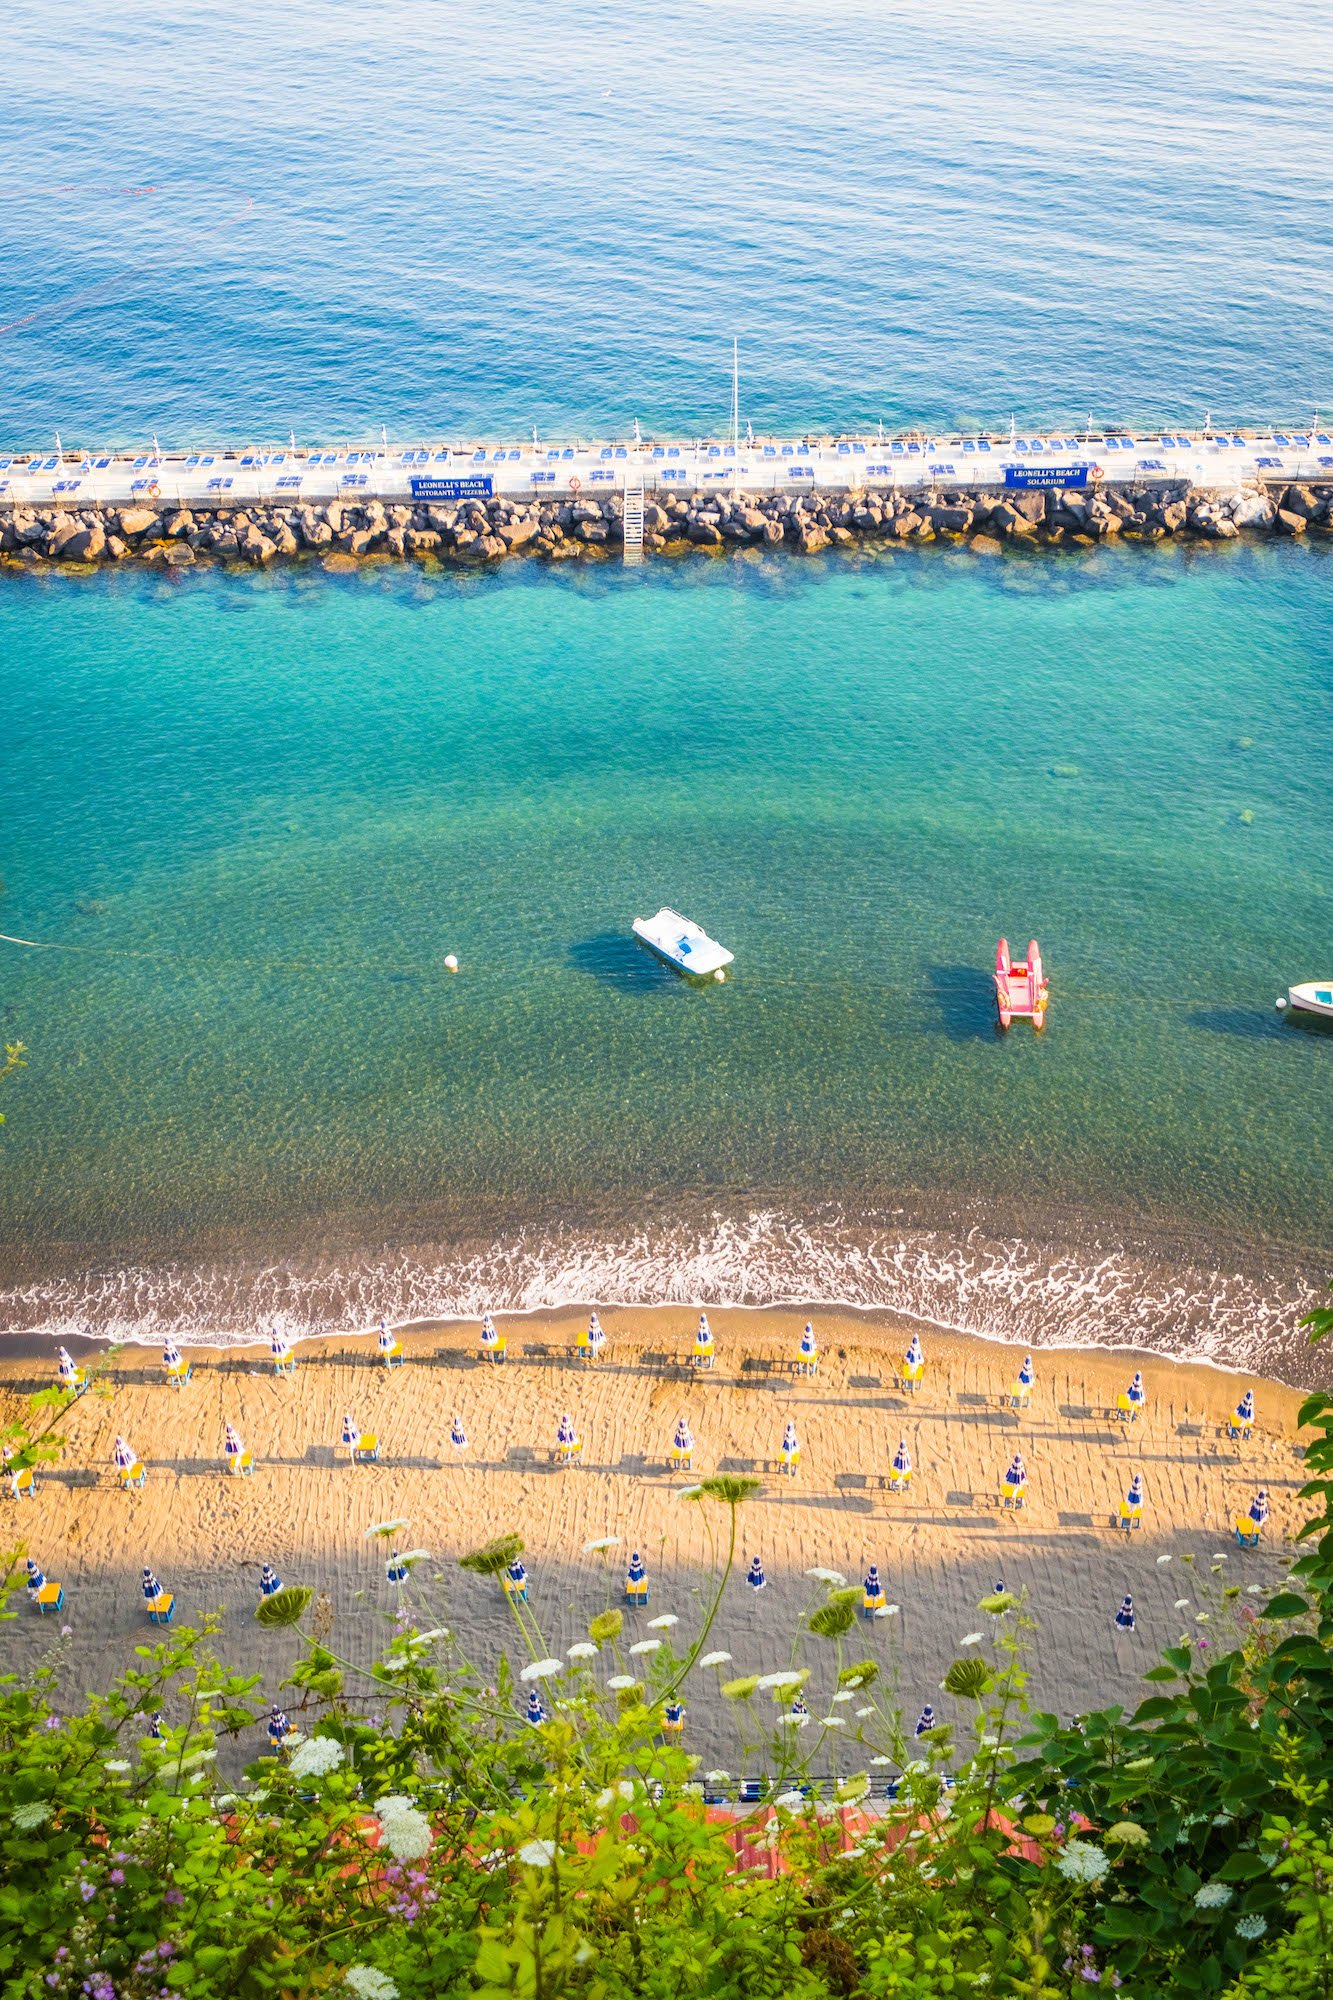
pixel 246 816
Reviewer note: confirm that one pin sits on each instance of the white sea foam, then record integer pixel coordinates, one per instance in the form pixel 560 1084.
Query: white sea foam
pixel 1101 1294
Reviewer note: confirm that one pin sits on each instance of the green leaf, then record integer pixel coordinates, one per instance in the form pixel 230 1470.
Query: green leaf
pixel 1285 1605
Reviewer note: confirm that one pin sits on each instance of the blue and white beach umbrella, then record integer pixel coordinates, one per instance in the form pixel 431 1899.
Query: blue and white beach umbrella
pixel 536 1714
pixel 1134 1497
pixel 279 1728
pixel 123 1454
pixel 1027 1374
pixel 36 1580
pixel 754 1576
pixel 872 1590
pixel 66 1368
pixel 518 1575
pixel 1017 1473
pixel 269 1581
pixel 1259 1508
pixel 457 1435
pixel 151 1587
pixel 279 1345
pixel 809 1345
pixel 489 1336
pixel 396 1569
pixel 915 1355
pixel 902 1459
pixel 683 1442
pixel 1136 1394
pixel 703 1336
pixel 386 1340
pixel 925 1721
pixel 673 1715
pixel 799 1709
pixel 596 1336
pixel 1124 1617
pixel 155 1724
pixel 565 1434
pixel 791 1444
pixel 171 1355
pixel 233 1445
pixel 1245 1408
pixel 351 1435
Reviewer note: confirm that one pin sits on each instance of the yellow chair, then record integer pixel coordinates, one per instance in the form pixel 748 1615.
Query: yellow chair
pixel 910 1379
pixel 179 1375
pixel 1247 1531
pixel 133 1475
pixel 1020 1395
pixel 681 1461
pixel 583 1345
pixel 1126 1411
pixel 1014 1495
pixel 1131 1518
pixel 367 1451
pixel 567 1453
pixel 241 1465
pixel 51 1597
pixel 900 1482
pixel 23 1483
pixel 160 1608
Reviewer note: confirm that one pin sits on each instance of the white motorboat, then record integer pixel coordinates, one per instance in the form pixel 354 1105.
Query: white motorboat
pixel 1311 998
pixel 683 944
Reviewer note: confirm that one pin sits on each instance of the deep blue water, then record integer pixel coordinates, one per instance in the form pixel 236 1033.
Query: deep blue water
pixel 447 218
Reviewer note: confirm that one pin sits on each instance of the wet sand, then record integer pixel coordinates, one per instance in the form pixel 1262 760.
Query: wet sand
pixel 939 1548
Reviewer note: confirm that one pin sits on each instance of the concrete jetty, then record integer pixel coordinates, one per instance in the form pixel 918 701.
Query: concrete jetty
pixel 479 503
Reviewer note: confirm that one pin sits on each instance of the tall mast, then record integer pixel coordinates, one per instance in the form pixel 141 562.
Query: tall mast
pixel 735 396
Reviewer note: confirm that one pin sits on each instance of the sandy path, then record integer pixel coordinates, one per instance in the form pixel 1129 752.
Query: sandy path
pixel 938 1550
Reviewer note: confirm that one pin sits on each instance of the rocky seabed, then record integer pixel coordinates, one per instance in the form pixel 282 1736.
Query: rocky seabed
pixel 487 531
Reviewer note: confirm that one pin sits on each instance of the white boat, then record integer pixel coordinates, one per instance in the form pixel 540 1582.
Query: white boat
pixel 682 944
pixel 1312 998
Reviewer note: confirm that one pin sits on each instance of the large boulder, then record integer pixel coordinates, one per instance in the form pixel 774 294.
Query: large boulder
pixel 85 544
pixel 1300 500
pixel 1253 510
pixel 516 534
pixel 135 521
pixel 811 538
pixel 256 547
pixel 951 520
pixel 1288 523
pixel 706 533
pixel 177 524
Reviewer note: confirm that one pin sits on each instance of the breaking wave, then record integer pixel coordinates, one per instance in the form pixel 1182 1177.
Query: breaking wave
pixel 1187 1301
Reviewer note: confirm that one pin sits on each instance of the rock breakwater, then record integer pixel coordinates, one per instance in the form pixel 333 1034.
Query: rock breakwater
pixel 340 534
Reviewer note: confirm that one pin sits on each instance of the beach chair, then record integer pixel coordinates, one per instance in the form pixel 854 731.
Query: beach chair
pixel 133 1475
pixel 514 1582
pixel 1130 1517
pixel 673 1718
pixel 900 1482
pixel 681 1461
pixel 365 1452
pixel 179 1375
pixel 583 1347
pixel 569 1452
pixel 910 1378
pixel 77 1383
pixel 240 1464
pixel 752 1791
pixel 1017 1396
pixel 1247 1531
pixel 23 1483
pixel 1014 1492
pixel 1240 1429
pixel 393 1356
pixel 286 1365
pixel 1127 1411
pixel 51 1597
pixel 161 1607
pixel 494 1352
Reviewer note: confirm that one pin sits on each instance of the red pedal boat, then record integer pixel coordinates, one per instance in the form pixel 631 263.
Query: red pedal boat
pixel 1020 987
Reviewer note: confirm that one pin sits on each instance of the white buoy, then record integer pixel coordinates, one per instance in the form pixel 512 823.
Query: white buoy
pixel 450 962
pixel 1280 1004
pixel 720 976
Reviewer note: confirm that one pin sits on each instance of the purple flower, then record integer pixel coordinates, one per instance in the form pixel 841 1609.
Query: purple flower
pixel 174 1897
pixel 52 1722
pixel 53 1979
pixel 166 1949
pixel 87 1890
pixel 116 1877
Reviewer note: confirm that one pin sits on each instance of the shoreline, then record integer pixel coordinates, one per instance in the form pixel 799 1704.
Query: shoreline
pixel 339 535
pixel 940 1547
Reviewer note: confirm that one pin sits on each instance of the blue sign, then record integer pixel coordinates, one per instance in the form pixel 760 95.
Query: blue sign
pixel 479 486
pixel 1046 475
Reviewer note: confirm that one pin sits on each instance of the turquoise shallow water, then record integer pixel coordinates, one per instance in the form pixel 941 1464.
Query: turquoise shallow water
pixel 259 809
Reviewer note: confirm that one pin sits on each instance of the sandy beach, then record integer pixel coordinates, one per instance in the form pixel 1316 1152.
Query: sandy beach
pixel 939 1548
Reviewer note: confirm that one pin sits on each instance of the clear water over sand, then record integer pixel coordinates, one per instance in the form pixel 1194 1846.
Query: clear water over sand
pixel 261 808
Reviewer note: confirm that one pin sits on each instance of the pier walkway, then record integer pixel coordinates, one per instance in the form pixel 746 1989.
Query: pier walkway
pixel 424 472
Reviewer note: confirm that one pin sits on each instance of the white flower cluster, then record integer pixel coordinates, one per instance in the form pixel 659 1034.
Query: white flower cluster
pixel 1213 1896
pixel 1080 1861
pixel 368 1984
pixel 541 1670
pixel 406 1831
pixel 646 1646
pixel 715 1659
pixel 583 1649
pixel 316 1757
pixel 1251 1927
pixel 537 1853
pixel 787 1679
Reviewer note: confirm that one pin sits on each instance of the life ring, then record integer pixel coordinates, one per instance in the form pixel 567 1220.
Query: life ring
pixel 1094 472
pixel 575 483
pixel 153 488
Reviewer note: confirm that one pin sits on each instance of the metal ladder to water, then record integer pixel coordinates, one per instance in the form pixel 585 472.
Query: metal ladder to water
pixel 633 518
